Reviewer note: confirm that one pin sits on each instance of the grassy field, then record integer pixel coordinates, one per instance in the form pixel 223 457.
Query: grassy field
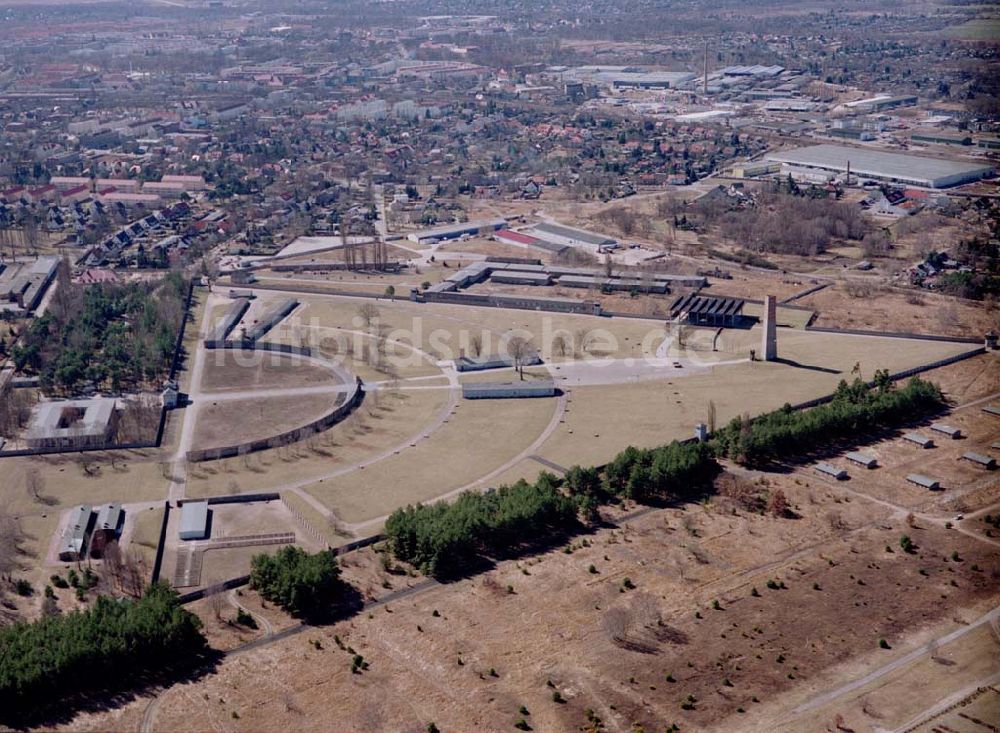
pixel 603 420
pixel 371 430
pixel 479 438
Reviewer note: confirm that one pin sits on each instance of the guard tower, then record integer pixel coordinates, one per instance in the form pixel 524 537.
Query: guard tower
pixel 769 344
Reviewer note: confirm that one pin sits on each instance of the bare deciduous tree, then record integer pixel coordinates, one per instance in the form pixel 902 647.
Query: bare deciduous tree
pixel 519 349
pixel 11 537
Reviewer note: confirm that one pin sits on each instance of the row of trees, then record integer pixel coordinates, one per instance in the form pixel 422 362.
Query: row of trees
pixel 109 333
pixel 115 639
pixel 444 538
pixel 855 408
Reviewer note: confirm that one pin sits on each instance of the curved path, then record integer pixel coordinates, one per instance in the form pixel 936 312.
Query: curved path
pixel 265 625
pixel 362 527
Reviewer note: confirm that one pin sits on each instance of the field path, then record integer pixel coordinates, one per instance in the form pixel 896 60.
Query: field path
pixel 904 660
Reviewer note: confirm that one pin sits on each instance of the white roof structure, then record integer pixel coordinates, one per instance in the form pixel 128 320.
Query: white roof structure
pixel 194 520
pixel 897 167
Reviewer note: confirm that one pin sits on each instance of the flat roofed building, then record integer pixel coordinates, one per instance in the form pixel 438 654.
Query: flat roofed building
pixel 452 231
pixel 73 424
pixel 920 480
pixel 493 361
pixel 884 166
pixel 991 410
pixel 521 278
pixel 194 520
pixel 862 459
pixel 508 390
pixel 560 234
pixel 73 541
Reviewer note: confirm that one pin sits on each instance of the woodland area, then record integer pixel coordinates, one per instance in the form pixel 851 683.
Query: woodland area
pixel 115 639
pixel 114 336
pixel 789 223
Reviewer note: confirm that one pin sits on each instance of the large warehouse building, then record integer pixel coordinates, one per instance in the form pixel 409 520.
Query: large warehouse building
pixel 909 170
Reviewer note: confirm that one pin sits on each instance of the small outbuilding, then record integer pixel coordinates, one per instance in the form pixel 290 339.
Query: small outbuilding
pixel 194 520
pixel 832 471
pixel 922 440
pixel 921 480
pixel 862 459
pixel 951 432
pixel 987 462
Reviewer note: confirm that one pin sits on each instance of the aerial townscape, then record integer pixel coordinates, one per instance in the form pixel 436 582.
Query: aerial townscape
pixel 446 366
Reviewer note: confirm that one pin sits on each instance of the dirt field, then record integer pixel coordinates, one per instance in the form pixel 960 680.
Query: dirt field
pixel 227 371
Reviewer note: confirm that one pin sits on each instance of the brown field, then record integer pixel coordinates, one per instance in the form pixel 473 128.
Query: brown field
pixel 749 663
pixel 235 421
pixel 227 370
pixel 911 311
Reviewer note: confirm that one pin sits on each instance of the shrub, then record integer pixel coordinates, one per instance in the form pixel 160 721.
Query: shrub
pixel 23 587
pixel 245 619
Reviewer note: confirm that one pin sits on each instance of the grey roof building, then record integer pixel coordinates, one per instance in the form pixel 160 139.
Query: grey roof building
pixel 832 471
pixel 194 520
pixel 275 315
pixel 493 361
pixel 73 424
pixel 567 235
pixel 912 170
pixel 862 459
pixel 921 480
pixel 73 542
pixel 508 390
pixel 225 325
pixel 451 231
